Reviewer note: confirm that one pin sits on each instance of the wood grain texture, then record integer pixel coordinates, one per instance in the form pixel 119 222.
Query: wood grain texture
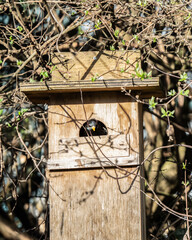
pixel 88 85
pixel 94 151
pixel 42 91
pixel 91 206
pixel 85 202
pixel 76 71
pixel 85 65
pixel 119 114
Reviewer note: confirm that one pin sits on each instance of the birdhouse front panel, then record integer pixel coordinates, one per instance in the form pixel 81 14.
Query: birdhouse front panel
pixel 93 130
pixel 90 204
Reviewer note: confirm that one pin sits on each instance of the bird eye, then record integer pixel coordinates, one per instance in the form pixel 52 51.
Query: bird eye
pixel 93 127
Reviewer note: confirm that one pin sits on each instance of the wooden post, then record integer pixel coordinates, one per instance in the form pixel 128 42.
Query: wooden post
pixel 96 183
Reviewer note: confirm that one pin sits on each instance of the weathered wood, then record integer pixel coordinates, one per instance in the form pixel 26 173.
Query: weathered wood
pixel 41 91
pixel 88 85
pixel 88 204
pixel 85 200
pixel 88 152
pixel 103 64
pixel 92 71
pixel 119 113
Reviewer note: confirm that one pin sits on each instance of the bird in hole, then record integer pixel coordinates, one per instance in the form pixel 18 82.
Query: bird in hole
pixel 93 128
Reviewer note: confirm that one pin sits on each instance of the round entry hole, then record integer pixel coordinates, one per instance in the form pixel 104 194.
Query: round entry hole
pixel 93 127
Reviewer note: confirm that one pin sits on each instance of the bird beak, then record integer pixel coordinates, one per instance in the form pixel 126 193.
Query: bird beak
pixel 93 128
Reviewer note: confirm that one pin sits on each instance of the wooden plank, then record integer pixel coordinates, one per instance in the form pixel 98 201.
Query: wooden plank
pixel 75 71
pixel 41 92
pixel 88 152
pixel 120 116
pixel 88 85
pixel 141 169
pixel 88 204
pixel 85 65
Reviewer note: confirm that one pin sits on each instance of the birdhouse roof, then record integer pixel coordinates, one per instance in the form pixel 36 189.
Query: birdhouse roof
pixel 93 71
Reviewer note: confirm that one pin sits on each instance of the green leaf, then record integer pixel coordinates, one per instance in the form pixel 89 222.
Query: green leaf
pixel 123 42
pixel 136 38
pixel 127 61
pixel 164 114
pixel 11 40
pixel 21 112
pixel 141 74
pixel 184 166
pixel 20 28
pixel 149 74
pixel 97 24
pixel 31 80
pixel 8 124
pixel 94 78
pixel 133 75
pixel 183 77
pixel 73 13
pixel 167 113
pixel 86 12
pixel 112 48
pixel 122 70
pixel 188 16
pixel 137 65
pixel 24 110
pixel 184 93
pixel 172 92
pixel 152 103
pixel 44 74
pixel 142 3
pixel 80 31
pixel 154 40
pixel 53 68
pixel 163 111
pixel 1 61
pixel 116 33
pixel 185 184
pixel 19 62
pixel 1 111
pixel 170 113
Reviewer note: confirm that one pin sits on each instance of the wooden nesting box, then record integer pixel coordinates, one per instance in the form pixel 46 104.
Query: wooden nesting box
pixel 95 145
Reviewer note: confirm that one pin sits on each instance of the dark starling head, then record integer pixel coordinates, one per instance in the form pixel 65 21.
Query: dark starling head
pixel 93 127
